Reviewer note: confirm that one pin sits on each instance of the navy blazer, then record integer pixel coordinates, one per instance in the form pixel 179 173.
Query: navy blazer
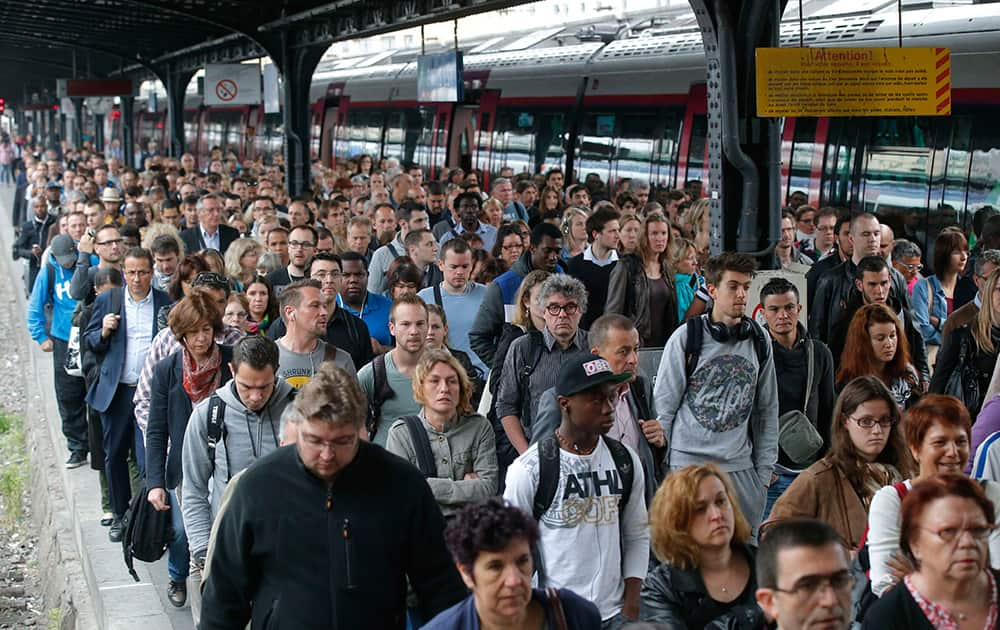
pixel 110 352
pixel 169 411
pixel 194 243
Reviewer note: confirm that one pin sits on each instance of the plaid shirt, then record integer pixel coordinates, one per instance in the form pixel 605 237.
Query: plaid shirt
pixel 164 345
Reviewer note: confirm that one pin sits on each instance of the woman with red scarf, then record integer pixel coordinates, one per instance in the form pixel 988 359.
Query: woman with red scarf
pixel 181 381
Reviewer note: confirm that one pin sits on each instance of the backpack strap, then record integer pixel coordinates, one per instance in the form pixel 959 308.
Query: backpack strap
pixel 811 353
pixel 692 345
pixel 421 445
pixel 548 476
pixel 215 427
pixel 437 294
pixel 50 272
pixel 537 343
pixel 329 353
pixel 392 249
pixel 381 393
pixel 626 471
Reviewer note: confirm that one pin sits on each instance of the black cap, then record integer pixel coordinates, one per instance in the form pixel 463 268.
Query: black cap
pixel 586 371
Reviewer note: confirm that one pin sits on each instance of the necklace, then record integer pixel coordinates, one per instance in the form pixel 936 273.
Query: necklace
pixel 573 445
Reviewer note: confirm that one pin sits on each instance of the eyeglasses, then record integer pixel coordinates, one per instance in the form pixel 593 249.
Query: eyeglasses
pixel 869 422
pixel 114 241
pixel 137 273
pixel 811 585
pixel 236 315
pixel 810 220
pixel 914 267
pixel 950 534
pixel 569 309
pixel 302 244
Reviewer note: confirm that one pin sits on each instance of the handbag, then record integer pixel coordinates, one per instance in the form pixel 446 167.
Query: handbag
pixel 797 435
pixel 956 383
pixel 558 614
pixel 73 364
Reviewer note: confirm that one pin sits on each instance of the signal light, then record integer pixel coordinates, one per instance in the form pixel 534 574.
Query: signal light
pixel 3 105
pixel 116 114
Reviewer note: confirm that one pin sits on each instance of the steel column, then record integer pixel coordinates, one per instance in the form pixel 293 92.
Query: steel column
pixel 175 81
pixel 128 133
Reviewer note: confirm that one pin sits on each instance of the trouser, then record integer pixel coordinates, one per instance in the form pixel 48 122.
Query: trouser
pixel 194 593
pixel 70 394
pixel 776 489
pixel 118 423
pixel 5 174
pixel 752 495
pixel 178 557
pixel 616 622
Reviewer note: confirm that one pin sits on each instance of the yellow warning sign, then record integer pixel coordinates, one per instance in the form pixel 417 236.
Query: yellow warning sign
pixel 853 82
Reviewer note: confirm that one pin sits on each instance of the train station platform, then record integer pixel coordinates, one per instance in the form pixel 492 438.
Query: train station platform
pixel 92 569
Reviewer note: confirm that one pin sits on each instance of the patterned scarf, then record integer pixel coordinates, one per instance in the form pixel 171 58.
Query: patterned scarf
pixel 200 380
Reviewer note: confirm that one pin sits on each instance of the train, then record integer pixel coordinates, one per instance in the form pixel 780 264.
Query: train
pixel 634 105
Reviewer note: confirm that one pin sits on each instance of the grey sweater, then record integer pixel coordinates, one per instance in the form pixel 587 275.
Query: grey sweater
pixel 248 437
pixel 727 413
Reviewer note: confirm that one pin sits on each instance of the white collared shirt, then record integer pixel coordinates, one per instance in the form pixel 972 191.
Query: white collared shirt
pixel 211 240
pixel 626 427
pixel 139 318
pixel 588 255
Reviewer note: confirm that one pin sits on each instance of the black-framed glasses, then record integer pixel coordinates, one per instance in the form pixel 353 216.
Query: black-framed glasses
pixel 811 585
pixel 950 534
pixel 869 422
pixel 302 244
pixel 113 241
pixel 569 309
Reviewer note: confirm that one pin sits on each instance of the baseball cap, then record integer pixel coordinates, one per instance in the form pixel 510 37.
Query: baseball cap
pixel 586 371
pixel 53 186
pixel 63 250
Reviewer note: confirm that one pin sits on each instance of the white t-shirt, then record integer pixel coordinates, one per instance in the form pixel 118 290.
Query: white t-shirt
pixel 580 534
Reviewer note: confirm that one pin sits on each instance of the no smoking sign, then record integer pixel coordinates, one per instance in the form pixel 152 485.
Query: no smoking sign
pixel 226 90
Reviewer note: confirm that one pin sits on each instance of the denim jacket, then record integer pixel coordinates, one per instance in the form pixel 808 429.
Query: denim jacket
pixel 922 311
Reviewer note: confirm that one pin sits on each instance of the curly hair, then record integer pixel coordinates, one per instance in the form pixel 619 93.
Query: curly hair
pixel 491 525
pixel 565 285
pixel 333 396
pixel 673 508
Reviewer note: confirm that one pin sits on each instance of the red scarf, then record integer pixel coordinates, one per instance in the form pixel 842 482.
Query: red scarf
pixel 201 380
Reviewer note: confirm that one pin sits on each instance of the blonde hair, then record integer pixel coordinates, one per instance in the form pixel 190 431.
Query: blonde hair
pixel 987 318
pixel 679 249
pixel 428 360
pixel 522 312
pixel 673 509
pixel 239 248
pixel 154 230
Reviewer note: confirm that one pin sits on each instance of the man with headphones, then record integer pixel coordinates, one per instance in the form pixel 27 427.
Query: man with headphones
pixel 716 393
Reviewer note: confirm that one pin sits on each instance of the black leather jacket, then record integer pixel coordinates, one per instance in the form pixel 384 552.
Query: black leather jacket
pixel 677 599
pixel 833 297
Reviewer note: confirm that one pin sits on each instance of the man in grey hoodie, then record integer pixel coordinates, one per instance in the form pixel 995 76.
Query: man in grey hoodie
pixel 723 408
pixel 253 402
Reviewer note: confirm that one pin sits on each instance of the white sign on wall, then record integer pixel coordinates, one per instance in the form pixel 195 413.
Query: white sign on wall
pixel 232 84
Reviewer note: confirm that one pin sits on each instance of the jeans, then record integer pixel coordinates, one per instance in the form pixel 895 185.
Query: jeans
pixel 178 557
pixel 776 489
pixel 6 174
pixel 70 393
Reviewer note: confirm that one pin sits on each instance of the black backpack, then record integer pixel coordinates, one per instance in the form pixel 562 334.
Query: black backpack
pixel 146 532
pixel 548 483
pixel 382 393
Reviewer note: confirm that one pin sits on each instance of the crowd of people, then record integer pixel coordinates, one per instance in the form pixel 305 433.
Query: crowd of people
pixel 398 400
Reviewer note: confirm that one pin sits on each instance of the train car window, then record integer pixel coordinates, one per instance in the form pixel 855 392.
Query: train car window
pixel 803 145
pixel 550 146
pixel 984 173
pixel 272 137
pixel 482 157
pixel 395 130
pixel 513 141
pixel 843 141
pixel 634 152
pixel 595 145
pixel 315 135
pixel 956 172
pixel 419 136
pixel 667 149
pixel 697 165
pixel 191 130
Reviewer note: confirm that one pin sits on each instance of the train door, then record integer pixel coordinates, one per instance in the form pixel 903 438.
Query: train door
pixel 330 119
pixel 482 150
pixel 463 137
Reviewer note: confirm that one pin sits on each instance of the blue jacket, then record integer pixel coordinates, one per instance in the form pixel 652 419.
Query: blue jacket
pixel 62 304
pixel 110 352
pixel 580 613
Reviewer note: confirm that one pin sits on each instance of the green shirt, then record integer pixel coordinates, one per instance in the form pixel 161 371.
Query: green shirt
pixel 402 404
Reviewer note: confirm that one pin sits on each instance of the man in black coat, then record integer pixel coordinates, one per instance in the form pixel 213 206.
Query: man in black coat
pixel 31 239
pixel 325 533
pixel 210 233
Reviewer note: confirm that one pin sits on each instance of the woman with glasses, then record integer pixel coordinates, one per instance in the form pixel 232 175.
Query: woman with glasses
pixel 867 453
pixel 937 296
pixel 969 353
pixel 937 434
pixel 876 346
pixel 947 522
pixel 237 312
pixel 241 261
pixel 179 382
pixel 706 579
pixel 642 284
pixel 509 245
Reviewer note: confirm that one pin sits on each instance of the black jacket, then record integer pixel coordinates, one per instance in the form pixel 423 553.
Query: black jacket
pixel 194 243
pixel 918 349
pixel 293 553
pixel 976 367
pixel 791 372
pixel 677 599
pixel 898 609
pixel 817 269
pixel 834 292
pixel 169 410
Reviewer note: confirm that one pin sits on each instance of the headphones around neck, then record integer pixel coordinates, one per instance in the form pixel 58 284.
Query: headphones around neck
pixel 722 333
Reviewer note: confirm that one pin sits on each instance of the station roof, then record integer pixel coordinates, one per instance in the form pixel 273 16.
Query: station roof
pixel 42 40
